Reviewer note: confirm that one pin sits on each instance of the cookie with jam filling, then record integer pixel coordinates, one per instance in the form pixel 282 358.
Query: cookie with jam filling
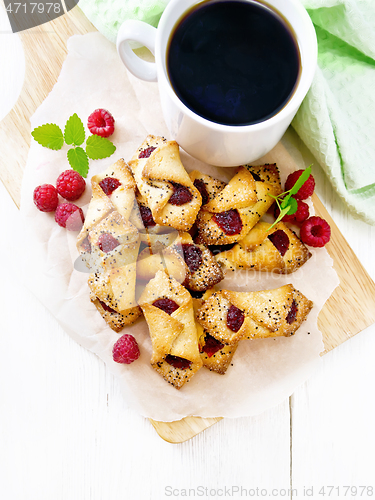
pixel 234 210
pixel 168 310
pixel 190 263
pixel 215 355
pixel 231 316
pixel 277 250
pixel 164 183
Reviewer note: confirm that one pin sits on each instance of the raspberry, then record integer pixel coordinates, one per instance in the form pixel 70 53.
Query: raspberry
pixel 125 350
pixel 70 185
pixel 315 232
pixel 46 198
pixel 101 122
pixel 305 190
pixel 69 216
pixel 298 217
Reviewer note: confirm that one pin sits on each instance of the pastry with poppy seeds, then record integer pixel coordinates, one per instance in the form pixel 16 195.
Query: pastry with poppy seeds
pixel 150 233
pixel 215 356
pixel 116 287
pixel 160 258
pixel 113 189
pixel 168 310
pixel 114 249
pixel 234 210
pixel 277 250
pixel 115 320
pixel 208 186
pixel 114 242
pixel 164 183
pixel 189 263
pixel 119 185
pixel 231 316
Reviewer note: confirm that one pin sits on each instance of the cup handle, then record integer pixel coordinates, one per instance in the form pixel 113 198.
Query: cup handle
pixel 145 34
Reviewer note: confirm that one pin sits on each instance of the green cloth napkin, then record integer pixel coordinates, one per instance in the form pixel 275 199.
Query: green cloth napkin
pixel 108 15
pixel 337 118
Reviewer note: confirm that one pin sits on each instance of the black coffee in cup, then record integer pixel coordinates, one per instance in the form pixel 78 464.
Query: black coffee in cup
pixel 233 62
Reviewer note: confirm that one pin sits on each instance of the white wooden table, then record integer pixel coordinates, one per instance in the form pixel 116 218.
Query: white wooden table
pixel 66 432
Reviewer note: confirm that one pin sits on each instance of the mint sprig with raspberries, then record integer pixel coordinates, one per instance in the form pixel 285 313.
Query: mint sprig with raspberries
pixel 286 202
pixel 97 145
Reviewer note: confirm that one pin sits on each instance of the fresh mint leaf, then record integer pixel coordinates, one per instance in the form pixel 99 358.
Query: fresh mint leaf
pixel 78 160
pixel 292 206
pixel 283 212
pixel 74 132
pixel 99 147
pixel 300 181
pixel 49 136
pixel 285 201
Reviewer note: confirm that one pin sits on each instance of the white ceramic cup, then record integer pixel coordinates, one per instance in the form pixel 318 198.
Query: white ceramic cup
pixel 211 142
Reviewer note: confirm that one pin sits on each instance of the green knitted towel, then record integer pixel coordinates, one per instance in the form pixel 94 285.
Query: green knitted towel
pixel 337 118
pixel 108 15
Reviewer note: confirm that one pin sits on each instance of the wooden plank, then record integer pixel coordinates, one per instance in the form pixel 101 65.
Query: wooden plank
pixel 351 307
pixel 349 310
pixel 184 429
pixel 45 51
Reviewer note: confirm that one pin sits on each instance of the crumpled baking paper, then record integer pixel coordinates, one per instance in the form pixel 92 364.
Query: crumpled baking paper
pixel 263 372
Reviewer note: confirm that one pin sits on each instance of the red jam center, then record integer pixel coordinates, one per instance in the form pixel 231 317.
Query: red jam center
pixel 192 256
pixel 292 314
pixel 229 222
pixel 107 242
pixel 166 305
pixel 181 194
pixel 281 241
pixel 146 214
pixel 146 153
pixel 235 318
pixel 86 245
pixel 211 345
pixel 201 186
pixel 109 184
pixel 177 362
pixel 106 308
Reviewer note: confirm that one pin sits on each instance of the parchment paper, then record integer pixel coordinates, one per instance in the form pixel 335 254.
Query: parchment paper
pixel 264 372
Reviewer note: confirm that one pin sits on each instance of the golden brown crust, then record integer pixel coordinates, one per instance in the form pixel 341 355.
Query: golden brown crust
pixel 220 360
pixel 257 251
pixel 154 175
pixel 240 192
pixel 100 206
pixel 249 197
pixel 152 235
pixel 121 230
pixel 171 260
pixel 168 260
pixel 121 199
pixel 212 315
pixel 171 334
pixel 116 320
pixel 268 313
pixel 116 286
pixel 270 310
pixel 212 186
pixel 208 273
